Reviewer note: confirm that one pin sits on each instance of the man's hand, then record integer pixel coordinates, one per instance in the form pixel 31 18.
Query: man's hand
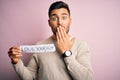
pixel 63 40
pixel 14 54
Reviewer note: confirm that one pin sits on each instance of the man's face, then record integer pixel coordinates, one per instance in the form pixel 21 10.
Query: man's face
pixel 59 17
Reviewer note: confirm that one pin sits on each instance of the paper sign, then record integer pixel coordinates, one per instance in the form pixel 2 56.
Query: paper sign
pixel 38 48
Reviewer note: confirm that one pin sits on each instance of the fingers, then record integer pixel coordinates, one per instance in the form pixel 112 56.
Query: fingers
pixel 14 52
pixel 65 35
pixel 15 56
pixel 61 30
pixel 57 37
pixel 61 34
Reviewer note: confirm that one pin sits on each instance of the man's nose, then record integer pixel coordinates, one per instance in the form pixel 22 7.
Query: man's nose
pixel 60 22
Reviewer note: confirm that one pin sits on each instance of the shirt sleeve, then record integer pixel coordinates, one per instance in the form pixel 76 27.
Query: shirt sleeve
pixel 26 73
pixel 78 64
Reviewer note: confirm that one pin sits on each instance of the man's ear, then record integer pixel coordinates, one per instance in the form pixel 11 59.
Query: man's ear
pixel 49 22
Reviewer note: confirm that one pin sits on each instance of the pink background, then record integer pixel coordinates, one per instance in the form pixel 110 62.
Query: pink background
pixel 96 21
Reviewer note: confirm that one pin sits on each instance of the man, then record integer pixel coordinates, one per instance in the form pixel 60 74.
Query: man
pixel 71 60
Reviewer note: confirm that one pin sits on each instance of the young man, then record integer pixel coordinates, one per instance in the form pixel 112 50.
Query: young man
pixel 70 61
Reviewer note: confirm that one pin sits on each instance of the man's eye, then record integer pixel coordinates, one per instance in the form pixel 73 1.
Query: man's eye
pixel 54 19
pixel 64 17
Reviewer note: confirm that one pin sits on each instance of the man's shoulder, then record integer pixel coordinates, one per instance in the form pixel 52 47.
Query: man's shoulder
pixel 81 43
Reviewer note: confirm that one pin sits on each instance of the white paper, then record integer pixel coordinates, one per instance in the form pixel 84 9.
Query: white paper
pixel 38 48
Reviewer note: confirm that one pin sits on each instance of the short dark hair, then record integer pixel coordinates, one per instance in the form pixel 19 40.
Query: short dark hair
pixel 58 5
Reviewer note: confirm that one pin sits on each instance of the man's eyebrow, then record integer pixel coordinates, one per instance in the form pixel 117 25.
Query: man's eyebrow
pixel 53 14
pixel 64 13
pixel 56 14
